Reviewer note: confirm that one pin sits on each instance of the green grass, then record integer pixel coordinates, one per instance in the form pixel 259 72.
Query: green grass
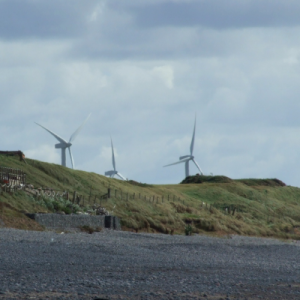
pixel 262 207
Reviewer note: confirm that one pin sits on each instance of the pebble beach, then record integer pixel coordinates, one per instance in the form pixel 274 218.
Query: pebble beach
pixel 125 265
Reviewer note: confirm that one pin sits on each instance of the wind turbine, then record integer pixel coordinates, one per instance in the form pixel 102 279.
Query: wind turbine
pixel 114 172
pixel 186 158
pixel 63 145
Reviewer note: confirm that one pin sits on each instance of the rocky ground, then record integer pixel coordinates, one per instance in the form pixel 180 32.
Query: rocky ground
pixel 124 265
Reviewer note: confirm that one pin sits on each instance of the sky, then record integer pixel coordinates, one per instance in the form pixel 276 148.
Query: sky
pixel 145 70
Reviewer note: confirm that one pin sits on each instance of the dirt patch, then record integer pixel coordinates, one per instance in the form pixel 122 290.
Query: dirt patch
pixel 12 218
pixel 4 205
pixel 21 222
pixel 1 223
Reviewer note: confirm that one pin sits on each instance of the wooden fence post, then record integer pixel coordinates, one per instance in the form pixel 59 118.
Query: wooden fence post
pixel 74 196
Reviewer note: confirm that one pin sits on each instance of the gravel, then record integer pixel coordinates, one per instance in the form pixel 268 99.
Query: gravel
pixel 124 265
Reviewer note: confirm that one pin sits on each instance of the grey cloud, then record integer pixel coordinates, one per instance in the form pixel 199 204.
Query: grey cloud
pixel 217 14
pixel 127 42
pixel 121 34
pixel 243 84
pixel 21 19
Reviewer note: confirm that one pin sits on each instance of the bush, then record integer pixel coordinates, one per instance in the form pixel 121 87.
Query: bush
pixel 57 204
pixel 188 229
pixel 202 178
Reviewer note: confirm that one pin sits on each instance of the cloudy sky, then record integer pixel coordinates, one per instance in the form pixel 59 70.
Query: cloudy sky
pixel 143 69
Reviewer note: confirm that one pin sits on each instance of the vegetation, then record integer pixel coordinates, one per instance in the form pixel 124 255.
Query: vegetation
pixel 90 229
pixel 188 229
pixel 210 179
pixel 214 205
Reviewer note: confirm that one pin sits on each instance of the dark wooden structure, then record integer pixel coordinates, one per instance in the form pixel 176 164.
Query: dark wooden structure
pixel 12 176
pixel 14 153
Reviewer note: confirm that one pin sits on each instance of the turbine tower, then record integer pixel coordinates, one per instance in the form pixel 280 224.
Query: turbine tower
pixel 186 158
pixel 63 145
pixel 114 172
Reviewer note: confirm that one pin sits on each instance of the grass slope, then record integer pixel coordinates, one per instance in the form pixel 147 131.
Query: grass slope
pixel 261 207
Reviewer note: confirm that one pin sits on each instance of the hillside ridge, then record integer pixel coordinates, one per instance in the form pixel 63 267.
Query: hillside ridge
pixel 224 179
pixel 218 205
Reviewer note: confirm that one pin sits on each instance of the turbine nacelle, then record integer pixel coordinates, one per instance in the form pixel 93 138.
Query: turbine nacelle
pixel 186 156
pixel 62 145
pixel 110 173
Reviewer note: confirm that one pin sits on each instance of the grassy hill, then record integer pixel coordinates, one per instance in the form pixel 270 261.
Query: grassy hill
pixel 210 204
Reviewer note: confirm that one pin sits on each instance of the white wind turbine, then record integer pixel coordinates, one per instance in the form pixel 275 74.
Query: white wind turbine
pixel 63 145
pixel 114 172
pixel 186 158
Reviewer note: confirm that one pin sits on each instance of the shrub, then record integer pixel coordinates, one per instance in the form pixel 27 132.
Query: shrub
pixel 203 178
pixel 188 229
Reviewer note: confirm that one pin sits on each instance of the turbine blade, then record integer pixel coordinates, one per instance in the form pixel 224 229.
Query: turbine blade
pixel 71 157
pixel 113 155
pixel 197 166
pixel 178 162
pixel 121 176
pixel 73 136
pixel 193 139
pixel 55 135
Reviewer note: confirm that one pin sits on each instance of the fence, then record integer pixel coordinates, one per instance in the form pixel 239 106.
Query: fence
pixel 93 198
pixel 12 176
pixel 14 179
